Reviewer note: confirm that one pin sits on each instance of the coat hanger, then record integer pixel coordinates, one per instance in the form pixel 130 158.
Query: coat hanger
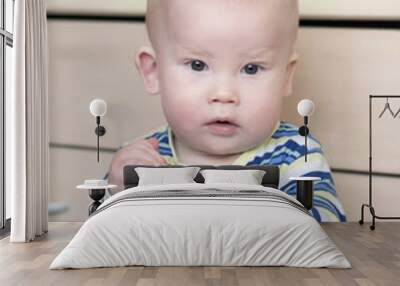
pixel 387 107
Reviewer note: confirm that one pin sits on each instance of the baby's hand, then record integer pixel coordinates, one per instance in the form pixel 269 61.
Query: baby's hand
pixel 140 152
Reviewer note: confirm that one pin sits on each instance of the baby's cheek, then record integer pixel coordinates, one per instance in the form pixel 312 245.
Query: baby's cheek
pixel 268 111
pixel 261 114
pixel 182 114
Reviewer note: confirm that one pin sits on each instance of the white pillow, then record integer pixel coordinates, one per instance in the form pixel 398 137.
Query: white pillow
pixel 248 177
pixel 161 176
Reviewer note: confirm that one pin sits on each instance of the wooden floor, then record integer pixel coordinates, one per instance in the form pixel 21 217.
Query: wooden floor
pixel 375 257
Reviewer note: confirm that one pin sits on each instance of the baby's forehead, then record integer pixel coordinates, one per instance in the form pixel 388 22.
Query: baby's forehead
pixel 159 8
pixel 155 4
pixel 161 13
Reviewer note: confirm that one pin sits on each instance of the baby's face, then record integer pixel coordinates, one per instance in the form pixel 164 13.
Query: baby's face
pixel 223 68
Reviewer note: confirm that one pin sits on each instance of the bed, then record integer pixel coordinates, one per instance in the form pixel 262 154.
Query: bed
pixel 201 224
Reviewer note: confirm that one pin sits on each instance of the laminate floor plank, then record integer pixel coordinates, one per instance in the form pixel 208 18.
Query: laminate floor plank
pixel 374 255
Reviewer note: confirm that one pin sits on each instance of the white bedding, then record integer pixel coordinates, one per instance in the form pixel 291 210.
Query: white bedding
pixel 185 230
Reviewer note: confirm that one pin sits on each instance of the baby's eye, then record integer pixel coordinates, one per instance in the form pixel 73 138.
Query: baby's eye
pixel 251 69
pixel 198 65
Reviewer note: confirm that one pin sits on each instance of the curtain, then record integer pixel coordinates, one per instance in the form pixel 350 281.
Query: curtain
pixel 27 135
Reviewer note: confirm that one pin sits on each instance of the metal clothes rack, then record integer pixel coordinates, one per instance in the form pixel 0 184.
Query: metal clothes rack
pixel 370 205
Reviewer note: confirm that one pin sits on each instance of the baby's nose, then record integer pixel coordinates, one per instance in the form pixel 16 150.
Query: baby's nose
pixel 224 97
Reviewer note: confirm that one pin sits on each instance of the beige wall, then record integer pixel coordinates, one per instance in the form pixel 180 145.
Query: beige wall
pixel 93 60
pixel 122 7
pixel 363 9
pixel 339 68
pixel 308 8
pixel 338 71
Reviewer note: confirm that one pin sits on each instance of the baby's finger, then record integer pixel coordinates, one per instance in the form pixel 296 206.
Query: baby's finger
pixel 151 154
pixel 153 142
pixel 155 145
pixel 149 146
pixel 146 161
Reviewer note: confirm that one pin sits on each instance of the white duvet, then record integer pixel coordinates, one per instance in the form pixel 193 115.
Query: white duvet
pixel 202 231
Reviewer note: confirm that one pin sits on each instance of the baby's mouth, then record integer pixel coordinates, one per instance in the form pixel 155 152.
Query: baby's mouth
pixel 224 127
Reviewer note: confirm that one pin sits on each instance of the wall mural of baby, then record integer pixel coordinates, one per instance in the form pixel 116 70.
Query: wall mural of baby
pixel 222 69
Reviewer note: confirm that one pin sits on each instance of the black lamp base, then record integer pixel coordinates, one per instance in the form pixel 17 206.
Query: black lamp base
pixel 96 195
pixel 305 193
pixel 100 130
pixel 304 130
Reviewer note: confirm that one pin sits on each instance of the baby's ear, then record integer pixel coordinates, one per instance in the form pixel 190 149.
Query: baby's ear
pixel 147 66
pixel 290 69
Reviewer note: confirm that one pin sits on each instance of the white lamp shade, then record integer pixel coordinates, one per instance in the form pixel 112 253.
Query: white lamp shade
pixel 98 107
pixel 305 107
